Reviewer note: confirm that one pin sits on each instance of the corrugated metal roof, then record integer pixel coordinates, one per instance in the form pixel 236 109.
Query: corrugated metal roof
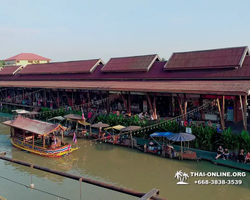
pixel 130 64
pixel 34 126
pixel 193 87
pixel 83 66
pixel 216 58
pixel 9 70
pixel 27 56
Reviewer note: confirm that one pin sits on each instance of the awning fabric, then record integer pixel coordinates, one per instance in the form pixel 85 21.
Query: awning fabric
pixel 161 134
pixel 117 127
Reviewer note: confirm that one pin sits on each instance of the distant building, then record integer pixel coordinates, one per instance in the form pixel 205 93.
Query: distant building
pixel 26 59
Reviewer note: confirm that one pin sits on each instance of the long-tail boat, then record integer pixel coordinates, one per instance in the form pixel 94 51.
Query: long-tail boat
pixel 38 137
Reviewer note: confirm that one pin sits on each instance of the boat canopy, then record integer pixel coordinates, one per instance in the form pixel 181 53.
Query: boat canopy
pixel 59 118
pixel 34 126
pixel 117 127
pixel 161 134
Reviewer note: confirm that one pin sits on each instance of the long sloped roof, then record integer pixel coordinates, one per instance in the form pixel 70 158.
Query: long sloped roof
pixel 83 66
pixel 9 70
pixel 130 64
pixel 33 126
pixel 27 56
pixel 216 58
pixel 236 87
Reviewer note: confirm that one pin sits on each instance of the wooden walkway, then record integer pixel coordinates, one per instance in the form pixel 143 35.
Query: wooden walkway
pixel 205 155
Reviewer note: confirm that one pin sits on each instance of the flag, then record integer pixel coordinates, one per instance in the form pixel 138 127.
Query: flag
pixel 74 138
pixel 83 117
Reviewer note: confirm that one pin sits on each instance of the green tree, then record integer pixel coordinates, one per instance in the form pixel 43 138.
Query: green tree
pixel 163 59
pixel 2 63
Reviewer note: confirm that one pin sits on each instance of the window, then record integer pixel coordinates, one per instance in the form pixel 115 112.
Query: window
pixel 18 61
pixel 30 61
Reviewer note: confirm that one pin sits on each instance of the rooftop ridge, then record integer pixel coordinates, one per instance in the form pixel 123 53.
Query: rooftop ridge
pixel 209 50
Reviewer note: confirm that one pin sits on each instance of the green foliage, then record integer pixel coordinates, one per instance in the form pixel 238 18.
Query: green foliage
pixel 113 119
pixel 205 137
pixel 2 63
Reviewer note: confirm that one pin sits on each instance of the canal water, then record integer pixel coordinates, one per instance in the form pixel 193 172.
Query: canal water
pixel 120 166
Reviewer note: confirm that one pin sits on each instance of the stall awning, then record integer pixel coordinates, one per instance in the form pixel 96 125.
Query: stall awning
pixel 84 123
pixel 117 127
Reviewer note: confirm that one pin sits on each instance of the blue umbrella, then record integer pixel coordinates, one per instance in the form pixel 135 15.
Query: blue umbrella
pixel 181 137
pixel 161 134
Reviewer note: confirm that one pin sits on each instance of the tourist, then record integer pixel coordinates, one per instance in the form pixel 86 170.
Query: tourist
pixel 247 158
pixel 226 154
pixel 241 157
pixel 220 152
pixel 141 115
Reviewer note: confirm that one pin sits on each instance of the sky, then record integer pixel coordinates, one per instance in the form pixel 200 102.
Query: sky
pixel 65 30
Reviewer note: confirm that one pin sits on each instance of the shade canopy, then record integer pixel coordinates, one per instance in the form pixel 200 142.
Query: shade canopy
pixel 161 134
pixel 73 117
pixel 130 128
pixel 117 127
pixel 83 122
pixel 100 125
pixel 59 118
pixel 33 126
pixel 181 137
pixel 21 111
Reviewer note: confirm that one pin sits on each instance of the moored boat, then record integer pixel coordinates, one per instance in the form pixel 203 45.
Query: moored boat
pixel 38 137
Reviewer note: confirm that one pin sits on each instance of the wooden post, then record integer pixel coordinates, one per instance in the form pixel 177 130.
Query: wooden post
pixel 44 101
pixel 124 101
pixel 245 111
pixel 33 142
pixel 23 94
pixel 242 110
pixel 150 105
pixel 185 106
pixel 89 100
pixel 129 104
pixel 62 135
pixel 171 105
pixel 223 112
pixel 44 141
pixel 221 119
pixel 155 114
pixel 72 99
pixel 179 101
pixel 235 110
pixel 33 96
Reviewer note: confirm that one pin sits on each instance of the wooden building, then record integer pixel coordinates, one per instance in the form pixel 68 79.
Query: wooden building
pixel 221 76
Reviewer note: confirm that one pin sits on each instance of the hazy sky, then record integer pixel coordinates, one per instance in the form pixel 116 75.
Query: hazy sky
pixel 85 29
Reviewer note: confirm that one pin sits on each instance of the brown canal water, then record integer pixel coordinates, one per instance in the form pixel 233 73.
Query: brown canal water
pixel 120 166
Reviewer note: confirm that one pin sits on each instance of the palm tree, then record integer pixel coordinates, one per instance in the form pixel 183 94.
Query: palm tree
pixel 185 176
pixel 178 175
